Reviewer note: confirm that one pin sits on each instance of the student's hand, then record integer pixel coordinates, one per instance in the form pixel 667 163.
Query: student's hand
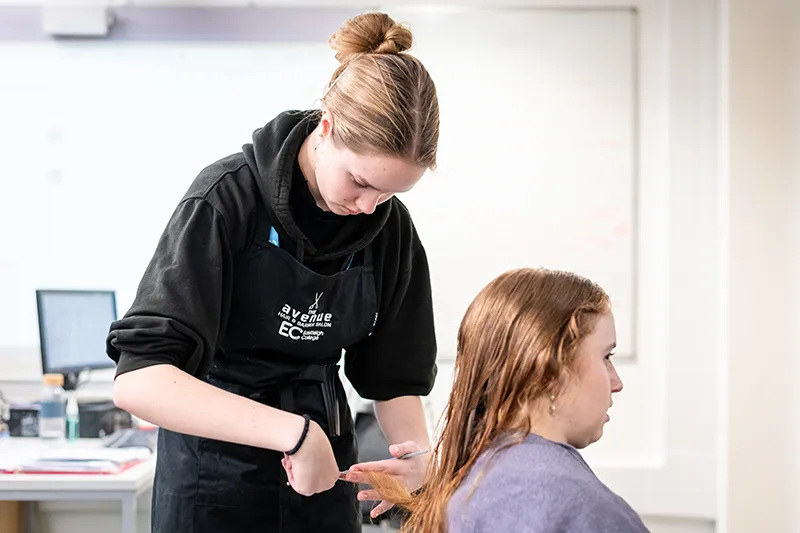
pixel 411 472
pixel 313 468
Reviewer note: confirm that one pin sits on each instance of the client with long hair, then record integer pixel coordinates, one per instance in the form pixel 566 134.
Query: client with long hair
pixel 533 383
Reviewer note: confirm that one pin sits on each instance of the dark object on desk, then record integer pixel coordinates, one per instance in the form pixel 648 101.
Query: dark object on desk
pixel 134 437
pixel 23 420
pixel 97 419
pixel 101 418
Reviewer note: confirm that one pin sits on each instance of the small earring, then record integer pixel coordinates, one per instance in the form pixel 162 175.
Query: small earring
pixel 552 405
pixel 318 142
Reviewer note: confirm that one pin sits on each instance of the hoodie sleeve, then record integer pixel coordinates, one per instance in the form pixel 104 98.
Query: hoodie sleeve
pixel 182 298
pixel 399 358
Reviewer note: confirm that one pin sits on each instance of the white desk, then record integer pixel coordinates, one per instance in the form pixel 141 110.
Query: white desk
pixel 125 487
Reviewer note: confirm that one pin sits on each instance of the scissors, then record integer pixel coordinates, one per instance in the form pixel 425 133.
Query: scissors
pixel 405 456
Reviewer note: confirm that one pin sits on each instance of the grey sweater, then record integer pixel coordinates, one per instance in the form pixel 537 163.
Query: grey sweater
pixel 538 486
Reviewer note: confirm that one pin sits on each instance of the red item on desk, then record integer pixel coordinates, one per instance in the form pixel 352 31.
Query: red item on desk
pixel 76 460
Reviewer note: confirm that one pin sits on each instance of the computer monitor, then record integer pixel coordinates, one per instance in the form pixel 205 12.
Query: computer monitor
pixel 73 326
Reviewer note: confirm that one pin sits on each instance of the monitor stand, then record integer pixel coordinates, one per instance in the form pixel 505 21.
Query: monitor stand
pixel 73 379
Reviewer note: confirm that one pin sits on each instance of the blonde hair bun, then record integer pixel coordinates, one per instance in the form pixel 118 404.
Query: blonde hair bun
pixel 370 33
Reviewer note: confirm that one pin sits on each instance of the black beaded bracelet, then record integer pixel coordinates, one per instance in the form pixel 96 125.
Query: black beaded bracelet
pixel 302 436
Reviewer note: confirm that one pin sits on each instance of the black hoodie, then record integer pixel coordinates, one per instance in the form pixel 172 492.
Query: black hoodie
pixel 181 307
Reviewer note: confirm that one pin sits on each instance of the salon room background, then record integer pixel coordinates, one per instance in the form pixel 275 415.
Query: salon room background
pixel 648 144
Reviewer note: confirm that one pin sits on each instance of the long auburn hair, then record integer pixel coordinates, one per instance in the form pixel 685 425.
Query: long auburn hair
pixel 516 343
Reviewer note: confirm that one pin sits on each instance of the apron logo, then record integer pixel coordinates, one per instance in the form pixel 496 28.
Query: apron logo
pixel 312 309
pixel 373 324
pixel 308 326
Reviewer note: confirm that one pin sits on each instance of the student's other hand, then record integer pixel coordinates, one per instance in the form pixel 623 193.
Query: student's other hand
pixel 313 468
pixel 411 472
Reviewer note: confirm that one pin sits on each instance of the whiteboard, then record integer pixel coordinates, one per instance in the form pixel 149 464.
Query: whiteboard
pixel 99 141
pixel 537 161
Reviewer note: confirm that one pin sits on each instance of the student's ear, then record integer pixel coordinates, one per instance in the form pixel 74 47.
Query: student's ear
pixel 326 123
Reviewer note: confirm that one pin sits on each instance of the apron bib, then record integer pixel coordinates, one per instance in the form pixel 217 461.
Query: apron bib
pixel 284 337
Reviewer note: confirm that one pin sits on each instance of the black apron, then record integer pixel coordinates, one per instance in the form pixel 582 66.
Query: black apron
pixel 285 334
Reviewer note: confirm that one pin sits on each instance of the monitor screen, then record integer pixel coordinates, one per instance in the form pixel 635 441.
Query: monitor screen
pixel 73 326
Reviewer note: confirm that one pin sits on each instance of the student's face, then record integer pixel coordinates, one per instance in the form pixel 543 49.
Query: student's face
pixel 584 403
pixel 350 183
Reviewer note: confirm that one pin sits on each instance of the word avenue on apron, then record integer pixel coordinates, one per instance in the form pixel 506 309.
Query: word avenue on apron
pixel 281 346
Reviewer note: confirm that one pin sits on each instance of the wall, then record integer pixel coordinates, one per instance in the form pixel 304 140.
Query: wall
pixel 684 317
pixel 793 473
pixel 761 461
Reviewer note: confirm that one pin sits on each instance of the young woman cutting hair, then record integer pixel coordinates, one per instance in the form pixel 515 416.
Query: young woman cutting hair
pixel 277 259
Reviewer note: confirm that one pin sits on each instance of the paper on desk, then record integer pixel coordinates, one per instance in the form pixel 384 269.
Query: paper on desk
pixel 120 455
pixel 80 460
pixel 71 467
pixel 10 458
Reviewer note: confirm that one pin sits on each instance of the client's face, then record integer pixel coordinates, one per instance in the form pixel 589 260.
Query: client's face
pixel 584 403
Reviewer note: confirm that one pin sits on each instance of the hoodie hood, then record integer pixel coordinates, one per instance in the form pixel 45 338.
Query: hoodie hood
pixel 271 158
